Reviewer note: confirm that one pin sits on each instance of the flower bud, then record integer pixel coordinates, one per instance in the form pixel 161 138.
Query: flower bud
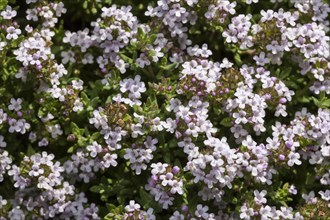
pixel 267 96
pixel 289 144
pixel 187 119
pixel 154 178
pixel 71 138
pixel 184 208
pixel 281 157
pixel 19 114
pixel 175 170
pixel 283 100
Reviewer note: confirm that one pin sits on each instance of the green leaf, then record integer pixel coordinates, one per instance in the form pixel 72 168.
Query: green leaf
pixel 126 58
pixel 304 99
pixel 167 157
pixel 82 142
pixel 146 198
pixel 70 150
pixel 5 74
pixel 286 72
pixel 283 203
pixel 163 61
pixel 169 67
pixel 310 179
pixel 85 4
pixel 30 150
pixel 140 33
pixel 227 122
pixel 75 129
pixel 97 189
pixel 325 103
pixel 3 4
pixel 94 10
pixel 95 136
pixel 2 91
pixel 94 102
pixel 84 97
pixel 153 37
pixel 151 106
pixel 237 59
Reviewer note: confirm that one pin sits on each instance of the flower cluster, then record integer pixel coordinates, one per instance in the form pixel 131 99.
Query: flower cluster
pixel 173 109
pixel 140 155
pixel 40 184
pixel 164 183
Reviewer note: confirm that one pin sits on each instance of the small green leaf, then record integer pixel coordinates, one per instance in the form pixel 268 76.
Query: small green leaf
pixel 94 10
pixel 140 32
pixel 70 150
pixel 2 91
pixel 169 67
pixel 3 4
pixel 75 129
pixel 94 102
pixel 227 122
pixel 286 72
pixel 304 99
pixel 82 142
pixel 325 103
pixel 126 58
pixel 237 59
pixel 153 37
pixel 310 179
pixel 97 189
pixel 30 150
pixel 84 97
pixel 146 198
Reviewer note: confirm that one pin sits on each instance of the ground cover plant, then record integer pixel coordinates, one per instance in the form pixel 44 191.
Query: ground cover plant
pixel 169 109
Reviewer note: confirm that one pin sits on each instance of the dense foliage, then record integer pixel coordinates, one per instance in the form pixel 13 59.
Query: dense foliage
pixel 169 109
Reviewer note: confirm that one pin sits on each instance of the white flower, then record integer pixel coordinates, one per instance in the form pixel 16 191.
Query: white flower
pixel 132 206
pixel 2 142
pixel 201 212
pixel 261 60
pixel 59 93
pixel 158 168
pixel 2 45
pixel 110 159
pixel 250 1
pixel 15 104
pixel 240 117
pixel 43 142
pixel 77 84
pixel 191 2
pixel 54 130
pixel 294 159
pixel 32 14
pixel 78 105
pixel 310 198
pixel 8 14
pixel 94 149
pixel 68 56
pixel 259 197
pixel 325 195
pixel 12 33
pixel 177 187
